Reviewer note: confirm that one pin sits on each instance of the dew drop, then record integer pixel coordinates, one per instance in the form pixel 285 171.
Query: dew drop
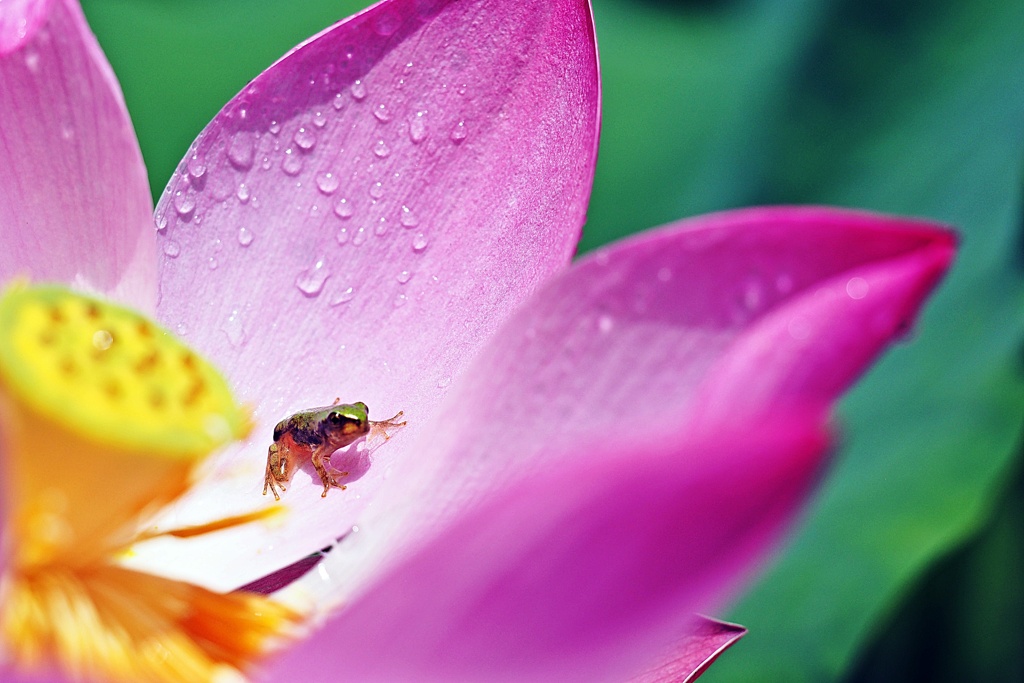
pixel 184 203
pixel 344 297
pixel 244 236
pixel 342 236
pixel 32 60
pixel 172 249
pixel 381 113
pixel 319 120
pixel 382 226
pixel 381 149
pixel 408 218
pixel 305 138
pixel 161 222
pixel 857 288
pixel 212 263
pixel 418 127
pixel 327 182
pixel 403 277
pixel 243 193
pixel 343 209
pixel 274 128
pixel 339 101
pixel 360 236
pixel 292 162
pixel 400 300
pixel 234 330
pixel 181 329
pixel 311 281
pixel 459 132
pixel 265 165
pixel 196 168
pixel 358 90
pixel 419 243
pixel 241 151
pixel 377 190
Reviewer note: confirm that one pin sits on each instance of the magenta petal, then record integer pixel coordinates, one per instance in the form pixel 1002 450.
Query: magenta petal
pixel 462 138
pixel 655 334
pixel 693 653
pixel 74 198
pixel 577 572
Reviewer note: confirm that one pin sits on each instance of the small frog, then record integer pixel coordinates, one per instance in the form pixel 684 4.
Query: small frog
pixel 314 435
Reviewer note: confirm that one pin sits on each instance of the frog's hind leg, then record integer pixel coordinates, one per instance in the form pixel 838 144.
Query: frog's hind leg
pixel 321 457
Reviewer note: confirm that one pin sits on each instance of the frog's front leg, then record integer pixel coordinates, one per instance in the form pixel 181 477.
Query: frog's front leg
pixel 321 457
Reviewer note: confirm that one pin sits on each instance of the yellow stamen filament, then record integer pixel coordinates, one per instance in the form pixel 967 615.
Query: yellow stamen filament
pixel 103 417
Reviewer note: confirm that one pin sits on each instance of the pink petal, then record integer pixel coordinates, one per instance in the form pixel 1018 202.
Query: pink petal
pixel 74 199
pixel 254 274
pixel 578 572
pixel 654 336
pixel 692 654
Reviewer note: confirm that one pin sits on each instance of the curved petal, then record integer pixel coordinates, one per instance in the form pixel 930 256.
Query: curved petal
pixel 579 572
pixel 643 337
pixel 361 217
pixel 74 198
pixel 692 654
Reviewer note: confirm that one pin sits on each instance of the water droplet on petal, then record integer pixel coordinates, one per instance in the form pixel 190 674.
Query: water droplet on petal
pixel 274 128
pixel 408 218
pixel 161 222
pixel 196 168
pixel 382 226
pixel 243 193
pixel 382 113
pixel 305 138
pixel 212 263
pixel 419 243
pixel 857 288
pixel 360 236
pixel 381 149
pixel 319 120
pixel 358 90
pixel 234 330
pixel 377 190
pixel 181 329
pixel 403 277
pixel 292 162
pixel 339 101
pixel 400 300
pixel 311 281
pixel 184 203
pixel 344 297
pixel 241 151
pixel 418 127
pixel 342 236
pixel 327 182
pixel 343 209
pixel 172 249
pixel 244 236
pixel 459 132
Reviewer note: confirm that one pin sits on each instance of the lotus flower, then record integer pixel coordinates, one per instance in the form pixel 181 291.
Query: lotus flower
pixel 594 452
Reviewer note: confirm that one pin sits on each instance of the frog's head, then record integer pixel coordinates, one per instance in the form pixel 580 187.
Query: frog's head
pixel 345 423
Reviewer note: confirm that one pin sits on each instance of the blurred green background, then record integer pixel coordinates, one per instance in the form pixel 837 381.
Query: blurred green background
pixel 909 564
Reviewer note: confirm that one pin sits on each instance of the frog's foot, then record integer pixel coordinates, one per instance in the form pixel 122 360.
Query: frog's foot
pixel 269 481
pixel 328 479
pixel 385 428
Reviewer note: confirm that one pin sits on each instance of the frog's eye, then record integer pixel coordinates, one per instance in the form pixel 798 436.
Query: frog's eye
pixel 347 425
